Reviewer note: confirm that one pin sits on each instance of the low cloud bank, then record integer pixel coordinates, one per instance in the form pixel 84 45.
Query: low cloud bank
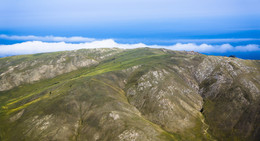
pixel 47 38
pixel 80 39
pixel 31 47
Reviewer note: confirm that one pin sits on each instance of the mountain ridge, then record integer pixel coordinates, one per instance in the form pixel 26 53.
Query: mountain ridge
pixel 137 94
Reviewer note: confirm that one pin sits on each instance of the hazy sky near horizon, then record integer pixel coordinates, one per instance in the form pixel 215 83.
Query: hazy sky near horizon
pixel 239 14
pixel 149 22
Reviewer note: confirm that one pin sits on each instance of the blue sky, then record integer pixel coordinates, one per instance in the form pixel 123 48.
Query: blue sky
pixel 151 22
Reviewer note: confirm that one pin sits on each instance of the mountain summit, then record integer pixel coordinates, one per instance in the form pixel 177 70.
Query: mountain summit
pixel 130 95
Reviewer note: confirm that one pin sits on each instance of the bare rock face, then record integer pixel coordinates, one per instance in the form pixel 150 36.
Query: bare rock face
pixel 129 95
pixel 161 97
pixel 229 87
pixel 44 67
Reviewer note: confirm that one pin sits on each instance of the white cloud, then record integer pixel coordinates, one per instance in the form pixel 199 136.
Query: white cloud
pixel 206 48
pixel 31 47
pixel 86 39
pixel 219 40
pixel 47 38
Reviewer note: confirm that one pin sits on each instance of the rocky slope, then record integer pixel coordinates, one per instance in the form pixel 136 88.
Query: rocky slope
pixel 136 95
pixel 19 69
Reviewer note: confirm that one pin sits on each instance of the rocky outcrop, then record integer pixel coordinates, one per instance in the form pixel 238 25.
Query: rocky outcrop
pixel 139 94
pixel 229 87
pixel 161 98
pixel 44 66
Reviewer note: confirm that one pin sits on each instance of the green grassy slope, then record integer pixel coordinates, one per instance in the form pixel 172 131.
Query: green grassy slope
pixel 138 94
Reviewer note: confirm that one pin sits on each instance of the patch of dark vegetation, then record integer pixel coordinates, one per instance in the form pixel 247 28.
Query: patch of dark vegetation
pixel 56 83
pixel 207 83
pixel 232 56
pixel 137 74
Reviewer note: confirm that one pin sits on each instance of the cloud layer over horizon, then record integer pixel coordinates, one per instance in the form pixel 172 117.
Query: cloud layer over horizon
pixel 46 38
pixel 32 47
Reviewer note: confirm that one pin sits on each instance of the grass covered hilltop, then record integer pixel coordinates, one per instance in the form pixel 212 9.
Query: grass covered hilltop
pixel 129 95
